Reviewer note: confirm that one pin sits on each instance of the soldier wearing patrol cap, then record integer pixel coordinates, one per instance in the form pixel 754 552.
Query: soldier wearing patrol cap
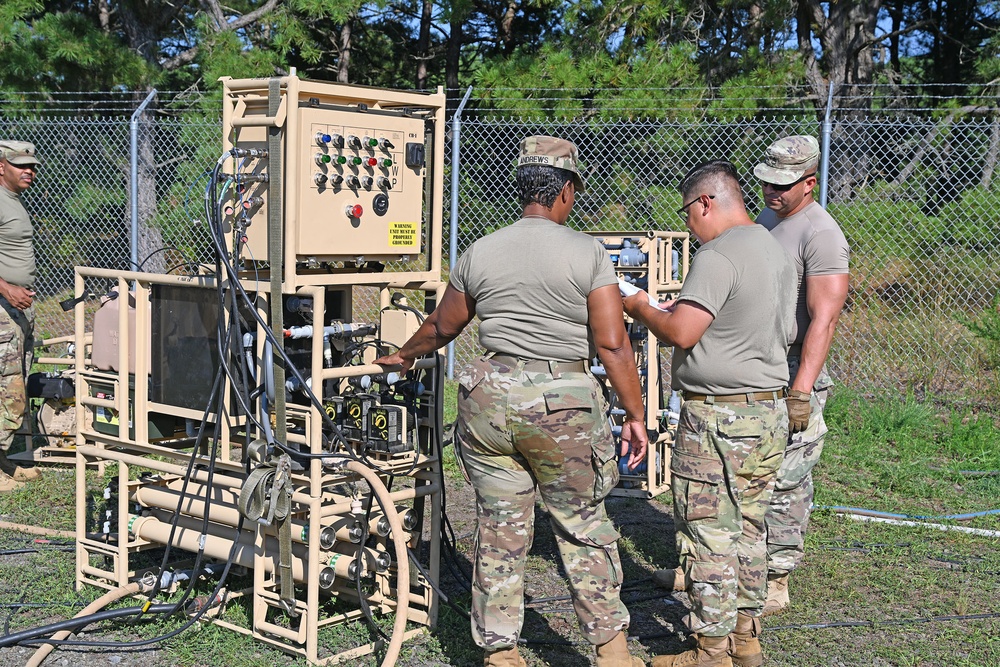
pixel 530 413
pixel 817 245
pixel 819 249
pixel 18 164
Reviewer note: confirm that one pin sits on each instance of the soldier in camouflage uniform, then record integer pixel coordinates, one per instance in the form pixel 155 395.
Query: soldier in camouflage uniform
pixel 820 252
pixel 18 165
pixel 730 327
pixel 531 414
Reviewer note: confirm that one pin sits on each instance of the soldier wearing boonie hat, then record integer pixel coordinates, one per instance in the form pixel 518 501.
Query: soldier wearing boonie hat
pixel 787 160
pixel 531 414
pixel 820 252
pixel 18 163
pixel 552 152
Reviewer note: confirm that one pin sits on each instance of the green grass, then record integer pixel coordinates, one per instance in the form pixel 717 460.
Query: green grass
pixel 899 455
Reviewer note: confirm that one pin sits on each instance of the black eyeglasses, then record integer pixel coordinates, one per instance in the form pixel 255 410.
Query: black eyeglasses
pixel 683 210
pixel 787 186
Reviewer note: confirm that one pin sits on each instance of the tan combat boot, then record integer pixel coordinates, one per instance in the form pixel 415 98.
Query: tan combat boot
pixel 710 652
pixel 615 654
pixel 15 471
pixel 672 580
pixel 8 483
pixel 777 594
pixel 507 657
pixel 745 649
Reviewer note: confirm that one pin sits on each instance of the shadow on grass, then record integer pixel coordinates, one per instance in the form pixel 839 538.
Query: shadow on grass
pixel 551 634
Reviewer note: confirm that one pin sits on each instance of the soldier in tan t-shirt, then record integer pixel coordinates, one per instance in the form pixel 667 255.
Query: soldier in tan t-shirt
pixel 531 415
pixel 730 328
pixel 820 252
pixel 18 165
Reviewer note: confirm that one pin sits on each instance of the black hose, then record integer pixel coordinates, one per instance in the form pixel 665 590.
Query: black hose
pixel 39 635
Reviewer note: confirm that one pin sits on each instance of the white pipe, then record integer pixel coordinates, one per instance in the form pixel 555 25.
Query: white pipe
pixel 921 524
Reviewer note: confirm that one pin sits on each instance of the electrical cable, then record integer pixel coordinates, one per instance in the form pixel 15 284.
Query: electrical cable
pixel 235 282
pixel 15 552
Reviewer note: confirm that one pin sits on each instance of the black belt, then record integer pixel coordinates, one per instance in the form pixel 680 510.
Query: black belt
pixel 748 397
pixel 540 365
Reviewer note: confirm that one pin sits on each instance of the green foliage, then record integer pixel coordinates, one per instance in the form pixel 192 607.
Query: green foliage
pixel 987 325
pixel 65 52
pixel 898 454
pixel 768 87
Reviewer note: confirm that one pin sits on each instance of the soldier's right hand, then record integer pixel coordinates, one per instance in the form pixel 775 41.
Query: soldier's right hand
pixel 634 441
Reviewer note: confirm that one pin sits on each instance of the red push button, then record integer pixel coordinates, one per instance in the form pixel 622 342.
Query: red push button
pixel 354 211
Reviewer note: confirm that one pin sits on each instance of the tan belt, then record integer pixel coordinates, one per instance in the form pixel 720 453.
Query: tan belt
pixel 748 397
pixel 541 365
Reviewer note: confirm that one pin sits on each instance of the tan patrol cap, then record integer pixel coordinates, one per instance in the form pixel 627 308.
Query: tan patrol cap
pixel 786 160
pixel 20 153
pixel 551 152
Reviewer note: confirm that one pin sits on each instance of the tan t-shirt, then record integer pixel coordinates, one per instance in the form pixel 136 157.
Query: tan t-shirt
pixel 746 280
pixel 17 254
pixel 817 246
pixel 530 282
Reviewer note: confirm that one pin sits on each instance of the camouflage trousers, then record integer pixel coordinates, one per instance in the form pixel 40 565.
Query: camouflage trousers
pixel 519 430
pixel 723 468
pixel 791 503
pixel 15 361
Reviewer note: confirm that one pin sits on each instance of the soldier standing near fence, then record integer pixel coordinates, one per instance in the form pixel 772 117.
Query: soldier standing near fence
pixel 530 414
pixel 819 249
pixel 730 328
pixel 18 165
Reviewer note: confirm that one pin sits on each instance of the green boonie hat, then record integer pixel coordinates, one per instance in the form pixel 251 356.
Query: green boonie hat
pixel 18 153
pixel 787 160
pixel 551 152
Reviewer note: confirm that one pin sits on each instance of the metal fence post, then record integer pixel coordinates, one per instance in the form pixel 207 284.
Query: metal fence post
pixel 825 148
pixel 456 131
pixel 134 185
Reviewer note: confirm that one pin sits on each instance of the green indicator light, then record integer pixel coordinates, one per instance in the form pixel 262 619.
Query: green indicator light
pixel 326 158
pixel 386 162
pixel 341 159
pixel 355 160
pixel 373 142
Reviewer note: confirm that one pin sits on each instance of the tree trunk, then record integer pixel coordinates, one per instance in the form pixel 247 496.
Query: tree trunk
pixel 992 152
pixel 151 257
pixel 424 43
pixel 104 15
pixel 344 61
pixel 896 13
pixel 453 59
pixel 847 39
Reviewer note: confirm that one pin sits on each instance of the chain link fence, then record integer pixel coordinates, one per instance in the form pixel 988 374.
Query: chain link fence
pixel 913 189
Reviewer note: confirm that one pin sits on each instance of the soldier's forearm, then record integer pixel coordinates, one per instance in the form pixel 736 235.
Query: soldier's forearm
pixel 815 348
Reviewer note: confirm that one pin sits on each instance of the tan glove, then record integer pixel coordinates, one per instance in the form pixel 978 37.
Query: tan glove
pixel 798 410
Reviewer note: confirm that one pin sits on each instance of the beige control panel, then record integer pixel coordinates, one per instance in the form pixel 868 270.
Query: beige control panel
pixel 352 175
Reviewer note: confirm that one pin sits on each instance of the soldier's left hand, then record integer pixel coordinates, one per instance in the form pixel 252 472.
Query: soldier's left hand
pixel 799 409
pixel 634 441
